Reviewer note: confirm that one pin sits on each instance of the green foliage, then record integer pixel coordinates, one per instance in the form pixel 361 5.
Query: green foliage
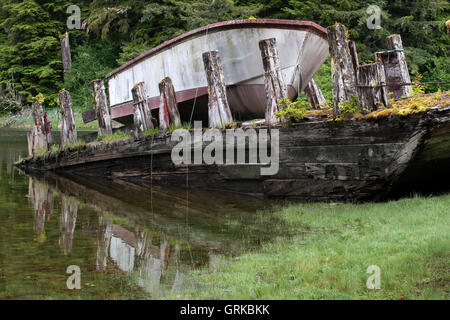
pixel 30 51
pixel 292 111
pixel 90 61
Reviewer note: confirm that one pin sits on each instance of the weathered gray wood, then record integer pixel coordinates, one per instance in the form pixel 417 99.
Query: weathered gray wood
pixel 274 84
pixel 395 67
pixel 104 233
pixel 40 138
pixel 142 118
pixel 372 93
pixel 101 108
pixel 65 52
pixel 315 96
pixel 168 108
pixel 219 113
pixel 342 70
pixel 68 127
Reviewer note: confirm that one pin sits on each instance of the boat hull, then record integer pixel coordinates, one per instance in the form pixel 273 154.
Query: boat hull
pixel 303 48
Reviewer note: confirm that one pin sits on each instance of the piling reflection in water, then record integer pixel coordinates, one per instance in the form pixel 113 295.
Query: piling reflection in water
pixel 154 238
pixel 41 197
pixel 69 210
pixel 129 241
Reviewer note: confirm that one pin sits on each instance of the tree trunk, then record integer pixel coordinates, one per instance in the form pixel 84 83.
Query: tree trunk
pixel 273 78
pixel 101 108
pixel 395 67
pixel 315 96
pixel 68 127
pixel 142 117
pixel 342 69
pixel 219 113
pixel 65 50
pixel 168 108
pixel 371 79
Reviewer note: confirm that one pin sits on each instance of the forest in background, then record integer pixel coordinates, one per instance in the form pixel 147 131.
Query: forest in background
pixel 114 31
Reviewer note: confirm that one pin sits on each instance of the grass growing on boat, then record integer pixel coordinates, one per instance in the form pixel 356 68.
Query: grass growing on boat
pixel 328 258
pixel 185 125
pixel 150 132
pixel 115 136
pixel 417 103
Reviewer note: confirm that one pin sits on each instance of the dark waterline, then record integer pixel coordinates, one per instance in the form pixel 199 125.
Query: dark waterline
pixel 129 242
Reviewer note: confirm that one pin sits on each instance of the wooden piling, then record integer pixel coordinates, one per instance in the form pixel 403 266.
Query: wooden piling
pixel 40 138
pixel 395 67
pixel 342 69
pixel 371 81
pixel 354 55
pixel 315 96
pixel 168 108
pixel 65 51
pixel 219 113
pixel 101 108
pixel 68 127
pixel 142 117
pixel 274 84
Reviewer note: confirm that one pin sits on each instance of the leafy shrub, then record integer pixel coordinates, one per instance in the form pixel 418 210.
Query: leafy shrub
pixel 349 108
pixel 292 111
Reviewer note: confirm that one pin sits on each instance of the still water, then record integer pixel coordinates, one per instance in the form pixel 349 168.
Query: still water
pixel 128 242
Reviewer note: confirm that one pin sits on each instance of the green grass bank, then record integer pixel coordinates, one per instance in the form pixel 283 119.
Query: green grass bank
pixel 334 244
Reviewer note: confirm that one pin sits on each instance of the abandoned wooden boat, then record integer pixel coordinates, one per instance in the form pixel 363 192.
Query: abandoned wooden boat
pixel 304 49
pixel 358 159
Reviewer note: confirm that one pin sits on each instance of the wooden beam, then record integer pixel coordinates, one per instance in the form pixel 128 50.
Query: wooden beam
pixel 168 108
pixel 315 96
pixel 142 117
pixel 68 127
pixel 101 108
pixel 342 69
pixel 219 113
pixel 274 84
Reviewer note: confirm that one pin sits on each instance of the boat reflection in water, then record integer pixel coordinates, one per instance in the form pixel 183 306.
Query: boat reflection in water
pixel 156 236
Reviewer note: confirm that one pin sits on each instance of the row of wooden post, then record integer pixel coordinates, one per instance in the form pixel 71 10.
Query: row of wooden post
pixel 371 83
pixel 367 83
